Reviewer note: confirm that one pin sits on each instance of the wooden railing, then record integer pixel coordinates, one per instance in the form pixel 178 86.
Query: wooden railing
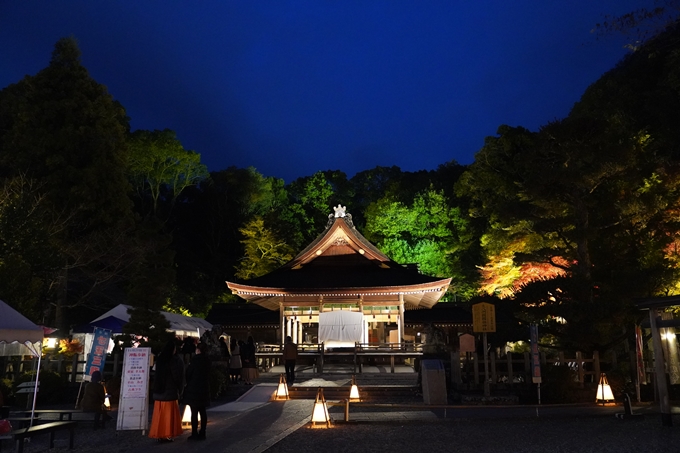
pixel 269 355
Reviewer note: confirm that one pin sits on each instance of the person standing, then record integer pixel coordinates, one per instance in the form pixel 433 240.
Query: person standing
pixel 197 391
pixel 166 422
pixel 290 354
pixel 93 400
pixel 249 371
pixel 235 361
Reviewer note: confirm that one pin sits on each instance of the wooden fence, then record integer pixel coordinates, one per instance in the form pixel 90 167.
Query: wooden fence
pixel 505 370
pixel 515 368
pixel 70 368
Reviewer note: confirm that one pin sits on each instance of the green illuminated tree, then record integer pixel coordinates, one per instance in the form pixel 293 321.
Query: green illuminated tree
pixel 264 250
pixel 161 168
pixel 428 232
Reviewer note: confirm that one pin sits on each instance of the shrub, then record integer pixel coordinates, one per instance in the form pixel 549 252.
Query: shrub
pixel 6 391
pixel 52 387
pixel 558 384
pixel 218 382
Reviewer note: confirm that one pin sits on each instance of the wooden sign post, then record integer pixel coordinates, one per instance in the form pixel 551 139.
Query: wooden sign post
pixel 484 320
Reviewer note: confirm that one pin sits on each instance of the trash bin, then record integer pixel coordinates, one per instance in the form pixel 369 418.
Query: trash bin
pixel 434 381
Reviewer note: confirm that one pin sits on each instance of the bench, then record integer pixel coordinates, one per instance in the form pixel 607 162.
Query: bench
pixel 68 413
pixel 26 433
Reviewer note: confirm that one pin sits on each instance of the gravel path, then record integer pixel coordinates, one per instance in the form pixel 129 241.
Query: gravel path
pixel 542 435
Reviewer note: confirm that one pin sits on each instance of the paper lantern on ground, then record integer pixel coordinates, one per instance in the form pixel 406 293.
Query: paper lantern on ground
pixel 282 389
pixel 320 416
pixel 604 391
pixel 186 417
pixel 354 391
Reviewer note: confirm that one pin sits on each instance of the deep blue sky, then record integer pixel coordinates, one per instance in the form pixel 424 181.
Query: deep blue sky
pixel 293 87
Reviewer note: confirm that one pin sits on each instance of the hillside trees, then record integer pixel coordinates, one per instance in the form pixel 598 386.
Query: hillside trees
pixel 61 130
pixel 207 239
pixel 590 196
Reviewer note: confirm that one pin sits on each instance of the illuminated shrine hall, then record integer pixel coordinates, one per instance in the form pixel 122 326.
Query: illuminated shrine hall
pixel 341 290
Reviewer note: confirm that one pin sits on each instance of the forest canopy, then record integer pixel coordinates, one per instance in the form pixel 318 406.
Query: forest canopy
pixel 563 225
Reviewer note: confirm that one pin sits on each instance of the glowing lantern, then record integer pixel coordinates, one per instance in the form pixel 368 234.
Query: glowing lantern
pixel 354 391
pixel 320 412
pixel 186 417
pixel 604 391
pixel 282 389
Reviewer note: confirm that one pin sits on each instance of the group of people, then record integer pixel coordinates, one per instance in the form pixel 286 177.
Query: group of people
pixel 242 363
pixel 172 382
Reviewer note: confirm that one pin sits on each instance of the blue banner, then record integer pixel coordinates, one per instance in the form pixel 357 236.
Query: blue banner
pixel 97 356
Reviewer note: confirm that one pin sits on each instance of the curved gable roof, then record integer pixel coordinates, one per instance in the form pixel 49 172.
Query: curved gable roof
pixel 341 261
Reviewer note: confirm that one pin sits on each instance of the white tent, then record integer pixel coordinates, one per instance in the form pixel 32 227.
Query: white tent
pixel 19 336
pixel 181 325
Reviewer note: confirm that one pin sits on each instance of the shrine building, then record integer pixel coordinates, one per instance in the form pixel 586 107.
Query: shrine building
pixel 341 290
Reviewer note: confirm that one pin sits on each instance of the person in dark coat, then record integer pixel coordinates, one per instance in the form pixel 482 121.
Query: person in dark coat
pixel 290 354
pixel 93 400
pixel 166 422
pixel 197 391
pixel 248 360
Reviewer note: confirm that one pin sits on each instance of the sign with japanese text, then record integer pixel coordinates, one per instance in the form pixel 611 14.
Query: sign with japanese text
pixel 133 412
pixel 535 355
pixel 97 356
pixel 483 317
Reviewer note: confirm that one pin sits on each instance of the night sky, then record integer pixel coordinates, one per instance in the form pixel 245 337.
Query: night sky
pixel 294 87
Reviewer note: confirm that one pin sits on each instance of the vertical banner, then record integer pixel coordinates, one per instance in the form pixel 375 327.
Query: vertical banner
pixel 97 356
pixel 133 407
pixel 535 356
pixel 642 379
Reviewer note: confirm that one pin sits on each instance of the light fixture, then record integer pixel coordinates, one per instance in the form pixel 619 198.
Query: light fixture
pixel 186 417
pixel 282 389
pixel 604 391
pixel 354 391
pixel 320 412
pixel 107 402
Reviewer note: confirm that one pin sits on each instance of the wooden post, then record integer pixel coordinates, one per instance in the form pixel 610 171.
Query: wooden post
pixel 527 367
pixel 475 362
pixel 579 368
pixel 455 368
pixel 660 370
pixel 74 368
pixel 487 392
pixel 511 378
pixel 494 377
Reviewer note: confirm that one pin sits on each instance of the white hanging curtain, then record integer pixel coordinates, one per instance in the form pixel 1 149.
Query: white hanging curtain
pixel 341 328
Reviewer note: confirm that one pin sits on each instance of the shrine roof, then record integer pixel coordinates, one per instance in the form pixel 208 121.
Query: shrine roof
pixel 342 261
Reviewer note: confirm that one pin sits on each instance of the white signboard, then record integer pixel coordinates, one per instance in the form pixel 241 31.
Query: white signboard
pixel 133 406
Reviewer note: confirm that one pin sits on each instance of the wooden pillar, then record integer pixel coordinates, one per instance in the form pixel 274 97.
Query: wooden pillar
pixel 283 323
pixel 400 321
pixel 366 329
pixel 660 370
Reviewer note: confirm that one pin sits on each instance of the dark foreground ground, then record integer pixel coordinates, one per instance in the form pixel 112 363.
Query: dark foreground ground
pixel 490 436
